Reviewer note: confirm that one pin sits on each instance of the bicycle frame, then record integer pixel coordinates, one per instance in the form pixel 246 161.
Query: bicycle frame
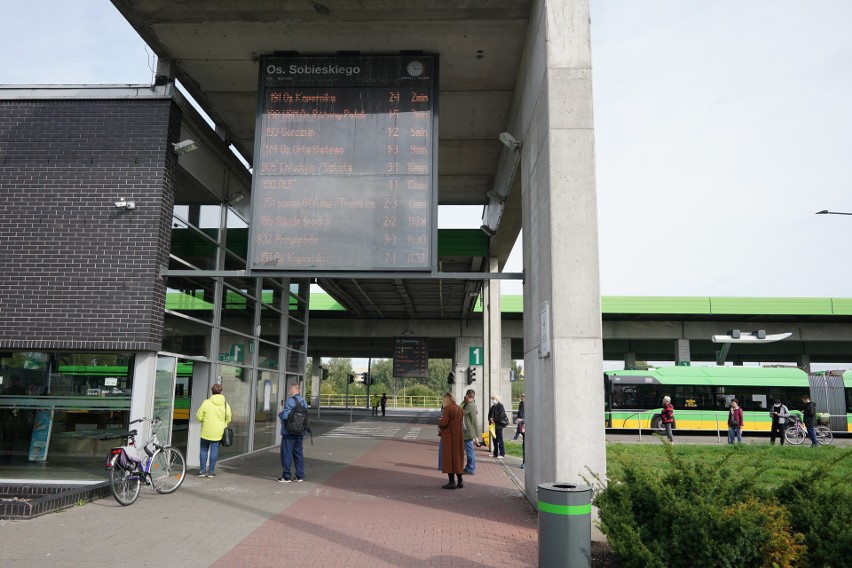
pixel 143 466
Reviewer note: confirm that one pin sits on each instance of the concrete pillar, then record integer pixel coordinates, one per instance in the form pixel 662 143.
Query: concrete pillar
pixel 142 396
pixel 804 362
pixel 498 382
pixel 562 312
pixel 316 383
pixel 630 360
pixel 682 353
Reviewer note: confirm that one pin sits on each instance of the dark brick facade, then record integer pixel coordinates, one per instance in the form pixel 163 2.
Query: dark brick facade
pixel 77 273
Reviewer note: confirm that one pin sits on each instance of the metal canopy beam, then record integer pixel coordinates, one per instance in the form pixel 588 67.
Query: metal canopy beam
pixel 348 275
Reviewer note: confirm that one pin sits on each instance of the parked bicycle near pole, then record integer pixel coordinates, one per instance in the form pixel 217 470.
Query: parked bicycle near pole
pixel 162 467
pixel 797 432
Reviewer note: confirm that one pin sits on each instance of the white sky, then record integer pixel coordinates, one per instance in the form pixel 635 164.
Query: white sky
pixel 722 126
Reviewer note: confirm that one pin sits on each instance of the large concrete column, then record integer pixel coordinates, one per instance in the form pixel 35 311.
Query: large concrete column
pixel 682 352
pixel 562 314
pixel 497 381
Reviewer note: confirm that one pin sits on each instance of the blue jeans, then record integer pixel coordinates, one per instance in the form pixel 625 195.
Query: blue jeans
pixel 735 432
pixel 470 466
pixel 213 448
pixel 812 435
pixel 291 450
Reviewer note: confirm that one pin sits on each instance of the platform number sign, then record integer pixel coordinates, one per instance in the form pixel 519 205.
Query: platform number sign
pixel 476 356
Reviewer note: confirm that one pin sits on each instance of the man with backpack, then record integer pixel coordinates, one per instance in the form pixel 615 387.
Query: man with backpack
pixel 294 423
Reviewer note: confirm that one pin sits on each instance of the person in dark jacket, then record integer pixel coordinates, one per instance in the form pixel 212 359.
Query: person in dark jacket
pixel 497 416
pixel 667 416
pixel 520 420
pixel 292 444
pixel 779 413
pixel 809 418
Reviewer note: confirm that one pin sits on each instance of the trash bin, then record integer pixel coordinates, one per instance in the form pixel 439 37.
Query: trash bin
pixel 564 525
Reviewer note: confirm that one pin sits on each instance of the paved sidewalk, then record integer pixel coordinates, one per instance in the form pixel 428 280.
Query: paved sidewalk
pixel 372 497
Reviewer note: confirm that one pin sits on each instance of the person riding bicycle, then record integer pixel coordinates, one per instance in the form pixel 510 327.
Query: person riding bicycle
pixel 809 418
pixel 779 413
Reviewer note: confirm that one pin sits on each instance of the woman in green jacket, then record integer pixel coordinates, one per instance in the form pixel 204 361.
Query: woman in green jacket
pixel 214 415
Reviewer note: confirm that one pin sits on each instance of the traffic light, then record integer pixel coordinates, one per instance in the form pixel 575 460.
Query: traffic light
pixel 367 380
pixel 471 375
pixel 451 378
pixel 351 378
pixel 324 373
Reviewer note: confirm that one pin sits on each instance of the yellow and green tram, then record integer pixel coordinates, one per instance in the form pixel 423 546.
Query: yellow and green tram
pixel 702 396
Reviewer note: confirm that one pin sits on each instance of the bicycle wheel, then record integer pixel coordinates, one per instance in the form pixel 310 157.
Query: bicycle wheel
pixel 795 435
pixel 824 435
pixel 123 484
pixel 168 470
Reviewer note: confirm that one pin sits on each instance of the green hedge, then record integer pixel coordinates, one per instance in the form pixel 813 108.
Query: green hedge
pixel 718 507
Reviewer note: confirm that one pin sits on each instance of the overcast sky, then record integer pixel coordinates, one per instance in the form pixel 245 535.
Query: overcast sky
pixel 722 127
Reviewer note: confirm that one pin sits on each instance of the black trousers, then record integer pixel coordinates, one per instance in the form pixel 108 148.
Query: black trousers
pixel 779 429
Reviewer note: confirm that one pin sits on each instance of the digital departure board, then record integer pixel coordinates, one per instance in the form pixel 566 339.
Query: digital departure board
pixel 411 358
pixel 344 165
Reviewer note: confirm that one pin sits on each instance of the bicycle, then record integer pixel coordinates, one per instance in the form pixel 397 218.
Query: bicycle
pixel 797 432
pixel 164 467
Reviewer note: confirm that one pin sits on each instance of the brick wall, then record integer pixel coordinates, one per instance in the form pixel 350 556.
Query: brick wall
pixel 77 273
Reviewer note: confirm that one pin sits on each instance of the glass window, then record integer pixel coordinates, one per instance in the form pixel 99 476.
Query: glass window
pixel 67 408
pixel 187 337
pixel 266 431
pixel 236 387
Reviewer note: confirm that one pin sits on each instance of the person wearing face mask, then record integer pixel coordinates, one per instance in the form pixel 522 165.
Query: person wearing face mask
pixel 779 413
pixel 497 416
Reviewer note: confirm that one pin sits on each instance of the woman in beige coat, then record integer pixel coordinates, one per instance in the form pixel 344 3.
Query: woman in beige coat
pixel 452 442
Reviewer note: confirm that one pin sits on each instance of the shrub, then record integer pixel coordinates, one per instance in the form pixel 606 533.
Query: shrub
pixel 694 514
pixel 821 509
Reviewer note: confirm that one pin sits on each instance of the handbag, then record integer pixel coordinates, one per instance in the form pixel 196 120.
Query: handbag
pixel 227 437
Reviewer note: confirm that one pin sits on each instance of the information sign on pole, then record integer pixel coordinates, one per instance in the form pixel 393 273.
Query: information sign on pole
pixel 345 164
pixel 476 355
pixel 411 358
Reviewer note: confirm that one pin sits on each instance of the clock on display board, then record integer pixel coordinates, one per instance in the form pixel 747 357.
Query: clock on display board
pixel 415 68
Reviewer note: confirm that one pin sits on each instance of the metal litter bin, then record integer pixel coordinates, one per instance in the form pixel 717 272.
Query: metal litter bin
pixel 564 525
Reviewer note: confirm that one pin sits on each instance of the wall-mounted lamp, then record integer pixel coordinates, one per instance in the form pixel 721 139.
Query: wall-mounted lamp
pixel 236 198
pixel 185 146
pixel 124 204
pixel 495 196
pixel 407 332
pixel 488 230
pixel 510 141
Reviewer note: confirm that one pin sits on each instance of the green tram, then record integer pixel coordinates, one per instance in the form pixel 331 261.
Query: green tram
pixel 702 395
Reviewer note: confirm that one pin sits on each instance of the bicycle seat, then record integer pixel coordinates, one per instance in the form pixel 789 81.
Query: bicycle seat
pixel 131 433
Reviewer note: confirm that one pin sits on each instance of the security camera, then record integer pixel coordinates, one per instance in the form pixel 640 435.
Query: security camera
pixel 185 146
pixel 124 204
pixel 510 141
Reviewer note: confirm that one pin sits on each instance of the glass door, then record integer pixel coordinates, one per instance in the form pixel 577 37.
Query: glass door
pixel 164 396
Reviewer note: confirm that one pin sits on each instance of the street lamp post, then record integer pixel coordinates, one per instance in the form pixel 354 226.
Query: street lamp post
pixel 827 212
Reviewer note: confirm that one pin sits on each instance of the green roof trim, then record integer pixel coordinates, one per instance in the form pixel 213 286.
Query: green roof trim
pixel 514 304
pixel 775 306
pixel 655 305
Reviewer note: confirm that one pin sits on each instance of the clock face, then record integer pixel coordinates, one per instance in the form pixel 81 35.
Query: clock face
pixel 415 68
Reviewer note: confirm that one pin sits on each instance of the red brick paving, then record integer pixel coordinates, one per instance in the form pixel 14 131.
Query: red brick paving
pixel 387 509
